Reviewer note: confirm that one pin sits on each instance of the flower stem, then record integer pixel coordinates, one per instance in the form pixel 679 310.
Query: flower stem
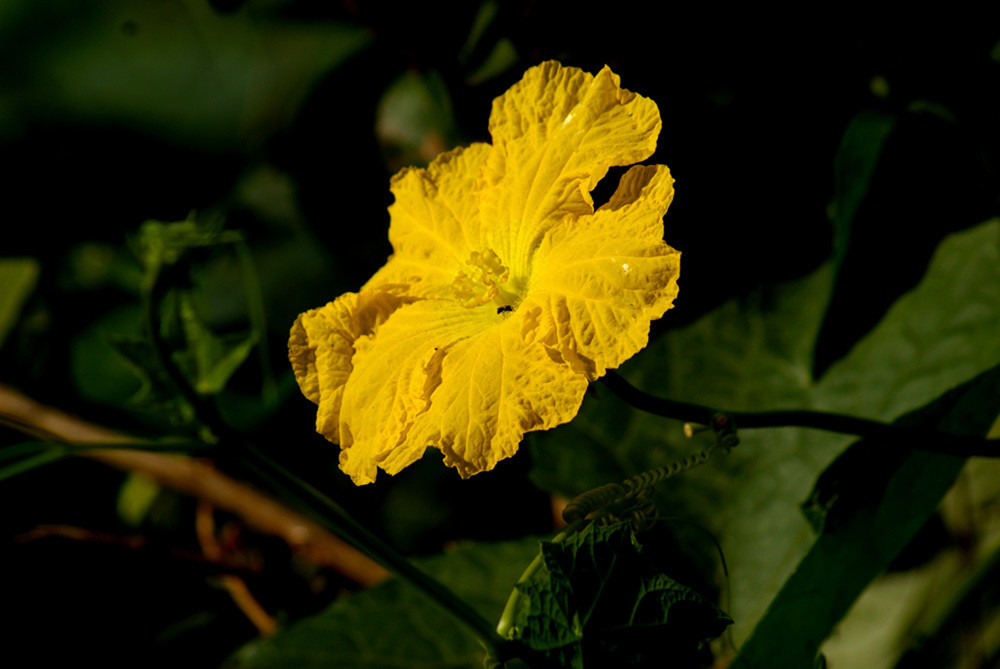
pixel 331 515
pixel 919 438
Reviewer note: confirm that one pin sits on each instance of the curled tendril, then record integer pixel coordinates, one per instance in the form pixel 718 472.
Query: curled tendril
pixel 632 499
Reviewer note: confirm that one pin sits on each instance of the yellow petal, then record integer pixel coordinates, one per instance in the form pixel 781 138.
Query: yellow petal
pixel 412 361
pixel 393 377
pixel 555 134
pixel 461 380
pixel 599 280
pixel 321 346
pixel 434 219
pixel 494 388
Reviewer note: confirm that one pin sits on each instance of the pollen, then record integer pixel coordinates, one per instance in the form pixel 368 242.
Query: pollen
pixel 479 279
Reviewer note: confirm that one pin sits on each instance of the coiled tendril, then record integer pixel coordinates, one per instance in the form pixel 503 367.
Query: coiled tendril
pixel 632 499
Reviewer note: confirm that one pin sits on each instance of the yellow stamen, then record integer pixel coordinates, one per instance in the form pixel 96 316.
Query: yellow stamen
pixel 479 279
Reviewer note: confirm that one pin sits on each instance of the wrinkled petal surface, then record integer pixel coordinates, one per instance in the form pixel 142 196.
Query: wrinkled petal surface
pixel 495 387
pixel 321 348
pixel 506 292
pixel 600 280
pixel 555 134
pixel 435 221
pixel 458 379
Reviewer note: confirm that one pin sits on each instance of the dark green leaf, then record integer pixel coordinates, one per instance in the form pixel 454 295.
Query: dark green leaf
pixel 394 624
pixel 100 372
pixel 872 520
pixel 157 394
pixel 596 600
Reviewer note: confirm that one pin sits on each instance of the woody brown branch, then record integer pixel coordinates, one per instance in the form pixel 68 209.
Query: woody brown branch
pixel 197 478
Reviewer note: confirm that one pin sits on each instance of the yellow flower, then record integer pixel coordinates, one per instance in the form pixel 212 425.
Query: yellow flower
pixel 506 292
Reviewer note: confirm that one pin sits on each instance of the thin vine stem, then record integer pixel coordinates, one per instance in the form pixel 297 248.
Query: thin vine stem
pixel 919 438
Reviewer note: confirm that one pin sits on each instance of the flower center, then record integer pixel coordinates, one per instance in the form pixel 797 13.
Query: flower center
pixel 479 279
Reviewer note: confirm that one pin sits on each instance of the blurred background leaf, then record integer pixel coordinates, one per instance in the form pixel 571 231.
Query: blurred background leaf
pixel 415 121
pixel 177 69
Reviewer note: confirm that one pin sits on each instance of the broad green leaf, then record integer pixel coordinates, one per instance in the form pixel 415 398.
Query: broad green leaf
pixel 874 508
pixel 756 354
pixel 17 280
pixel 596 600
pixel 929 609
pixel 940 334
pixel 394 624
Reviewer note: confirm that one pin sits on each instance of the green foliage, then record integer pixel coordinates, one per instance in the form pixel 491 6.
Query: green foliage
pixel 156 394
pixel 596 599
pixel 179 69
pixel 204 360
pixel 394 624
pixel 208 361
pixel 874 500
pixel 496 57
pixel 159 245
pixel 415 120
pixel 755 354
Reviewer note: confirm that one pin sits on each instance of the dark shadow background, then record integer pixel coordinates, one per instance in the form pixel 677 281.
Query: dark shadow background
pixel 753 112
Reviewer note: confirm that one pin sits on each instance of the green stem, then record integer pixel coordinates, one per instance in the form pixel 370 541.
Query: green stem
pixel 27 464
pixel 332 516
pixel 924 439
